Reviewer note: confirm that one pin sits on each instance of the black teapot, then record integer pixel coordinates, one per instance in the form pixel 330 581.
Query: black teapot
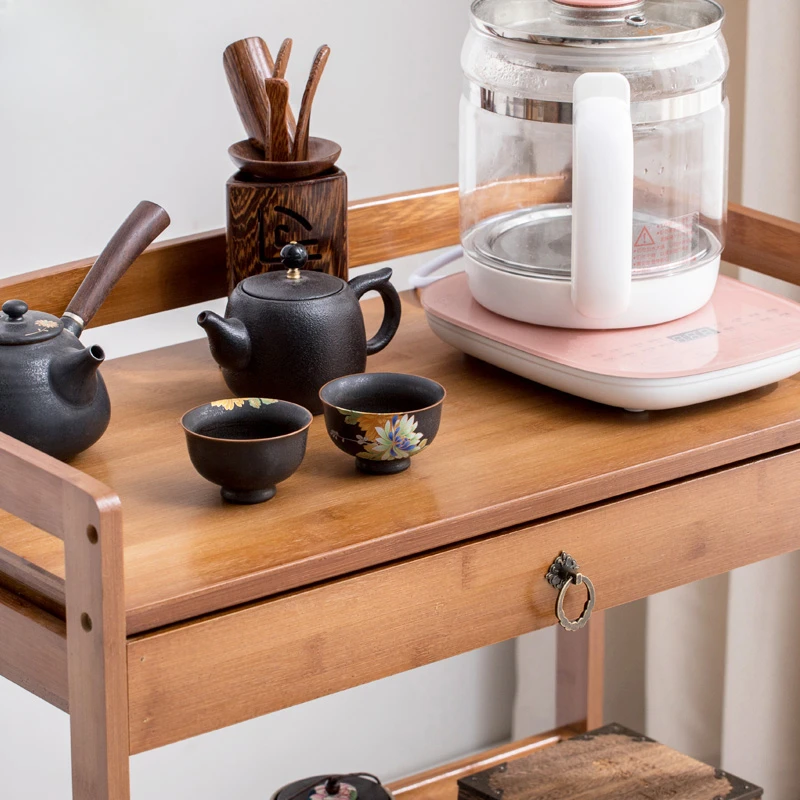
pixel 287 333
pixel 51 394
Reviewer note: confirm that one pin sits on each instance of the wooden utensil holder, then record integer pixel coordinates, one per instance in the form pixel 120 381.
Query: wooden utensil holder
pixel 263 216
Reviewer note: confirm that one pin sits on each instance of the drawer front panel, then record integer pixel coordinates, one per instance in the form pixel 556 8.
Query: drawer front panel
pixel 240 664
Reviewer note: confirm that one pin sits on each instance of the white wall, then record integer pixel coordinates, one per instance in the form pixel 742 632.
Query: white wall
pixel 103 104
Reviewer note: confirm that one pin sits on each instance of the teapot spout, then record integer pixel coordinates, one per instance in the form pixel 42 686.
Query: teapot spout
pixel 228 339
pixel 73 375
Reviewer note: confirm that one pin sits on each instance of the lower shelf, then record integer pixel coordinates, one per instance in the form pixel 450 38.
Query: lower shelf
pixel 441 783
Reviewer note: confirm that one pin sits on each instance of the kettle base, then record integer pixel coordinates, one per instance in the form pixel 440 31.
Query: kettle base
pixel 539 301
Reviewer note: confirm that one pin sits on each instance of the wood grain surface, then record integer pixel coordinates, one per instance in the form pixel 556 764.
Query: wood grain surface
pixel 96 646
pixel 171 274
pixel 612 763
pixel 181 272
pixel 580 660
pixel 300 147
pixel 440 783
pixel 524 451
pixel 141 227
pixel 264 216
pixel 393 226
pixel 279 146
pixel 248 63
pixel 595 670
pixel 74 507
pixel 33 649
pixel 305 644
pixel 764 243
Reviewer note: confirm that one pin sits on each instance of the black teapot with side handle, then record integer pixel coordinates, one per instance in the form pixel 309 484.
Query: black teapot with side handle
pixel 52 396
pixel 287 333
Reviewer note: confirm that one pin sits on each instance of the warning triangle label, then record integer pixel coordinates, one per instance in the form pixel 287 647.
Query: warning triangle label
pixel 645 239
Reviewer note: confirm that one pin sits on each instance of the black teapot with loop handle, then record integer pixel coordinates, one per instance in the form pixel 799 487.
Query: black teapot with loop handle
pixel 287 333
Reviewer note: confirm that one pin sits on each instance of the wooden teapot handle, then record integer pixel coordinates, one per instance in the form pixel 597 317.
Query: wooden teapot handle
pixel 378 281
pixel 145 222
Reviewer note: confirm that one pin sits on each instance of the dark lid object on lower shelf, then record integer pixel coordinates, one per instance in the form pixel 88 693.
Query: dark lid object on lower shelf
pixel 611 763
pixel 349 786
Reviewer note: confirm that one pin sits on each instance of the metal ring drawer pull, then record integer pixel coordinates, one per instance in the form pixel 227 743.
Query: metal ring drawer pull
pixel 562 574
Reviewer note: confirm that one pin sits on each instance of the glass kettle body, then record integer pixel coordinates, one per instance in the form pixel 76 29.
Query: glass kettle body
pixel 593 159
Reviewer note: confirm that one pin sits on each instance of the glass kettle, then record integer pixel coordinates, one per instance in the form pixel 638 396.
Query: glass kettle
pixel 593 159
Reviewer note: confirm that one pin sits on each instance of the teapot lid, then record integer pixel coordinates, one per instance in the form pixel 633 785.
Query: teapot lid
pixel 598 23
pixel 353 786
pixel 294 283
pixel 282 285
pixel 19 325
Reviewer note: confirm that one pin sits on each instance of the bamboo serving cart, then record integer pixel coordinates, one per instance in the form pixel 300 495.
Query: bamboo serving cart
pixel 133 599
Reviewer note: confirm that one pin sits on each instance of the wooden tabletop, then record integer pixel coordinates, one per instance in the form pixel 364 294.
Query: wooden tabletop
pixel 508 452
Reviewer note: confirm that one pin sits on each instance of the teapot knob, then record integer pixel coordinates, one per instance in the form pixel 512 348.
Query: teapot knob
pixel 15 309
pixel 294 257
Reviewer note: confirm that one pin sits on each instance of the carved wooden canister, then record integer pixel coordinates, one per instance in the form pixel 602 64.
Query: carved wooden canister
pixel 264 215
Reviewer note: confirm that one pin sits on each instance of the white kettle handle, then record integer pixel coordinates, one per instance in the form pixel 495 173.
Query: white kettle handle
pixel 602 195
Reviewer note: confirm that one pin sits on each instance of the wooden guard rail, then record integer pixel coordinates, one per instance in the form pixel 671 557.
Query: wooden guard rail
pixel 180 272
pixel 87 516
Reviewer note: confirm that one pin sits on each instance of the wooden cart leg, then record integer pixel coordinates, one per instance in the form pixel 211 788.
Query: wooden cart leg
pixel 579 674
pixel 98 690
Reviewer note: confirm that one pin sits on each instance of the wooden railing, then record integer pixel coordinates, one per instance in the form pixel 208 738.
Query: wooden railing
pixel 180 272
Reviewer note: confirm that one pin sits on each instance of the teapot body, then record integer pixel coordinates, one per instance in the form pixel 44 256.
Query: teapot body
pixel 285 335
pixel 51 394
pixel 58 411
pixel 297 346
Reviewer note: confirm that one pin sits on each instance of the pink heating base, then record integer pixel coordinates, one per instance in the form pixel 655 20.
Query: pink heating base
pixel 740 325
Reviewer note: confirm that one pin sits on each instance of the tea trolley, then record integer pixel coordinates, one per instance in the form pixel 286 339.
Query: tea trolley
pixel 131 598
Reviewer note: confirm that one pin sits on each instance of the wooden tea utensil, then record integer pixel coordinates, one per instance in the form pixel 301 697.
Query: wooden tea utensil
pixel 281 63
pixel 322 155
pixel 282 59
pixel 300 152
pixel 248 63
pixel 280 145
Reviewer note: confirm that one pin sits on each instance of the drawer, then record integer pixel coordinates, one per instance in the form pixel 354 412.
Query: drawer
pixel 207 673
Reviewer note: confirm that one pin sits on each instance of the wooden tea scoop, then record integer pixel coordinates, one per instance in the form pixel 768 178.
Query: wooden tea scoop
pixel 280 145
pixel 248 63
pixel 300 152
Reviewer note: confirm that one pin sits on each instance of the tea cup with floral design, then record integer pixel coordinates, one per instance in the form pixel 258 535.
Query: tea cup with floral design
pixel 382 418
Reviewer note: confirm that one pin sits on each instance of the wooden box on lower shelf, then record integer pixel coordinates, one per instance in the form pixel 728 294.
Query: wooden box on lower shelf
pixel 611 763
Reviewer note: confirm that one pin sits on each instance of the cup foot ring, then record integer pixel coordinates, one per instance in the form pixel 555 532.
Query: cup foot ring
pixel 382 467
pixel 248 497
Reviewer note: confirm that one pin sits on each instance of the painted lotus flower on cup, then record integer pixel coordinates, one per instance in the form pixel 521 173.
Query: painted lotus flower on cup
pixel 238 402
pixel 386 438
